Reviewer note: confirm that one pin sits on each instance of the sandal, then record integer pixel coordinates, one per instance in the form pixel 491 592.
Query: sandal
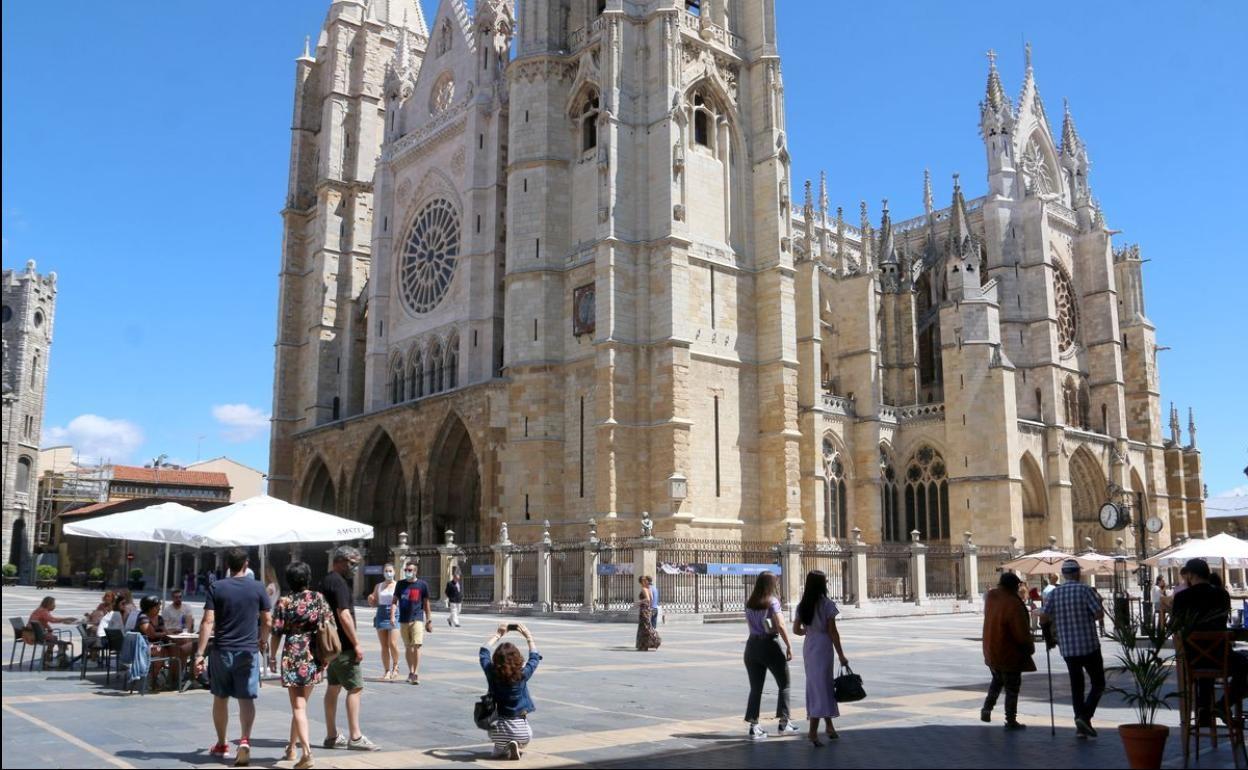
pixel 289 756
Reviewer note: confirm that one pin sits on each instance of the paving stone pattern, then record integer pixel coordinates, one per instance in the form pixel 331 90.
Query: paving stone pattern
pixel 600 703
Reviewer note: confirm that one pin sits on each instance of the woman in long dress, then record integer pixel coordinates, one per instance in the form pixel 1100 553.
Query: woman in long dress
pixel 647 637
pixel 816 621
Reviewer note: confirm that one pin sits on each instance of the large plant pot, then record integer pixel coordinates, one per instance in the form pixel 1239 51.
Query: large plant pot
pixel 1144 744
pixel 136 585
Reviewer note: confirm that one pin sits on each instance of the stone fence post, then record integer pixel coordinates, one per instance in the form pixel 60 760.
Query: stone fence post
pixel 646 551
pixel 398 553
pixel 545 597
pixel 858 569
pixel 970 562
pixel 502 568
pixel 918 569
pixel 790 552
pixel 589 603
pixel 448 559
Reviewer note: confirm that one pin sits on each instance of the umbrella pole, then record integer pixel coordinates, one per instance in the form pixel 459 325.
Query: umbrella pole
pixel 262 572
pixel 164 577
pixel 1048 659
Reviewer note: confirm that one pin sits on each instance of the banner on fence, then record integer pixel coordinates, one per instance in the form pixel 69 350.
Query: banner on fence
pixel 372 569
pixel 741 569
pixel 482 570
pixel 615 569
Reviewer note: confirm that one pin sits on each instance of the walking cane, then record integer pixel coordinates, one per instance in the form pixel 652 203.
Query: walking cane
pixel 1048 659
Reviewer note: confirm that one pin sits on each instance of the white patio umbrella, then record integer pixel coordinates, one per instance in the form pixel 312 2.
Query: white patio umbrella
pixel 145 525
pixel 263 520
pixel 1220 550
pixel 1044 562
pixel 1092 561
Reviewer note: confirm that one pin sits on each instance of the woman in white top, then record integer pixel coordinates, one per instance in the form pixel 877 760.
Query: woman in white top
pixel 115 619
pixel 382 598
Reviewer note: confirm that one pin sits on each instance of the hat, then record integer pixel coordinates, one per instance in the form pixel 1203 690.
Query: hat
pixel 1070 566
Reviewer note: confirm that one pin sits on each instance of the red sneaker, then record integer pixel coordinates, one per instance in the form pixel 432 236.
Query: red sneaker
pixel 219 750
pixel 243 757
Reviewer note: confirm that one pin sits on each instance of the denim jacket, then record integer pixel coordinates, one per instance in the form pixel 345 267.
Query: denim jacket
pixel 512 698
pixel 136 654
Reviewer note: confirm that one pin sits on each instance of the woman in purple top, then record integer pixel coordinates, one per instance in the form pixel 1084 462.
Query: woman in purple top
pixel 816 620
pixel 763 654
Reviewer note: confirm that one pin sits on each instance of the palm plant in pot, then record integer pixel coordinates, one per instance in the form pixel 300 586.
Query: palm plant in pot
pixel 1146 669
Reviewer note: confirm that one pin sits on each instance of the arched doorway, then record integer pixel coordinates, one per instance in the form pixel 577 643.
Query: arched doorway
pixel 381 497
pixel 1087 494
pixel 455 478
pixel 318 489
pixel 1036 527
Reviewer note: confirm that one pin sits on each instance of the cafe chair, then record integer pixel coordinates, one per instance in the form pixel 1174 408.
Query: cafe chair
pixel 92 647
pixel 1204 657
pixel 57 644
pixel 19 637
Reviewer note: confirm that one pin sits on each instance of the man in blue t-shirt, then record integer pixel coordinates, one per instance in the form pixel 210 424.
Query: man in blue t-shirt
pixel 236 620
pixel 415 617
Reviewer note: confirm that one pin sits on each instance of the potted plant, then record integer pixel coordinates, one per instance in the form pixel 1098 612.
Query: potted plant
pixel 1146 669
pixel 10 574
pixel 136 582
pixel 45 576
pixel 95 578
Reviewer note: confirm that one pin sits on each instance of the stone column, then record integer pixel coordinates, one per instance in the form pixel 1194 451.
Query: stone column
pixel 545 592
pixel 196 566
pixel 357 584
pixel 858 568
pixel 791 567
pixel 448 557
pixel 592 546
pixel 502 568
pixel 646 560
pixel 918 569
pixel 970 567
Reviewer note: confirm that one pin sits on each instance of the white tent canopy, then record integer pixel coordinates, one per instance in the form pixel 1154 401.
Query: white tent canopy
pixel 1219 550
pixel 263 520
pixel 153 524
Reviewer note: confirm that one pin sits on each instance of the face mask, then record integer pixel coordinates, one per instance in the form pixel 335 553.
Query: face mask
pixel 352 569
pixel 389 575
pixel 409 574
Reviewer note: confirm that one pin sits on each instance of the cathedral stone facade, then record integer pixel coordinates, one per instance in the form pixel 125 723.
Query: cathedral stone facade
pixel 542 263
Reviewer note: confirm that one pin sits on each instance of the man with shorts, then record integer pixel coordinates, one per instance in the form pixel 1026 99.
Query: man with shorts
pixel 236 620
pixel 415 617
pixel 344 672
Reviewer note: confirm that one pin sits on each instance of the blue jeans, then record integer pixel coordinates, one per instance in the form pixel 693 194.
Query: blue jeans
pixel 234 674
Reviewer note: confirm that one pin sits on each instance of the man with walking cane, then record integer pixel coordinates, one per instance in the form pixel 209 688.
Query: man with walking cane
pixel 1074 609
pixel 1008 647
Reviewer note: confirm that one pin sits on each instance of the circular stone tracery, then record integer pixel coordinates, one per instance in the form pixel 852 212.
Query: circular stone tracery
pixel 1067 312
pixel 430 251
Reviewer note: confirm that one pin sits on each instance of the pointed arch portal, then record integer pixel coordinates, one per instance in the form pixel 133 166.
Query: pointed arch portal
pixel 455 487
pixel 381 497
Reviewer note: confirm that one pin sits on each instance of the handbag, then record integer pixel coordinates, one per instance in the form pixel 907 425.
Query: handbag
pixel 328 644
pixel 485 712
pixel 848 686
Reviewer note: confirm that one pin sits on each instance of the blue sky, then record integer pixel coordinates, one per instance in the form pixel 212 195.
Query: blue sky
pixel 145 155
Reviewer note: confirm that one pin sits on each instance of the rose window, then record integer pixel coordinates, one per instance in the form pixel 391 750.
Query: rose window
pixel 1067 312
pixel 443 95
pixel 429 253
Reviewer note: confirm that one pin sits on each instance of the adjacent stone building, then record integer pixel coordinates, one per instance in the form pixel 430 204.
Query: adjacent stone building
pixel 580 288
pixel 29 308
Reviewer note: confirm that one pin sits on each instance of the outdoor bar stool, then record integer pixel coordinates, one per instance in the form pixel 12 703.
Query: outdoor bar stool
pixel 19 637
pixel 1205 657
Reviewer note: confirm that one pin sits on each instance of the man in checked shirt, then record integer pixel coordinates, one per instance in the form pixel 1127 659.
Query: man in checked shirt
pixel 1075 609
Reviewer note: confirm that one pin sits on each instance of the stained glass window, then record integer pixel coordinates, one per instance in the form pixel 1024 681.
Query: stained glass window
pixel 428 257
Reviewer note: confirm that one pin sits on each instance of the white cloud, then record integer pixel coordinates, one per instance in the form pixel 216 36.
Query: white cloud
pixel 1238 491
pixel 241 422
pixel 97 439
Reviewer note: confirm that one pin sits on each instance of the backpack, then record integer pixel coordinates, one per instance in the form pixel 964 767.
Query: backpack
pixel 328 645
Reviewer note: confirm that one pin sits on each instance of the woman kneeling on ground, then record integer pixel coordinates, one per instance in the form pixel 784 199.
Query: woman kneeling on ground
pixel 508 676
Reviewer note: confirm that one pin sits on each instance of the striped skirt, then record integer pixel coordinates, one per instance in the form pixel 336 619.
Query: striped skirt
pixel 505 731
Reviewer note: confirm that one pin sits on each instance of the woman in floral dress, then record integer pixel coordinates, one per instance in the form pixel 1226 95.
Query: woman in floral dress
pixel 295 619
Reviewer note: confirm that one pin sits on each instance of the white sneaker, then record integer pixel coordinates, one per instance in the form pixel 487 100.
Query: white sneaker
pixel 757 733
pixel 787 728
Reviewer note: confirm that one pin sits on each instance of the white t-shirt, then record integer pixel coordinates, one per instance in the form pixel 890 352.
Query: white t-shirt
pixel 173 615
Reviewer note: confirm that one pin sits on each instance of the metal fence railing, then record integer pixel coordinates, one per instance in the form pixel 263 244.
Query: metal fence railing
pixel 944 572
pixel 711 577
pixel 888 573
pixel 524 576
pixel 476 565
pixel 617 583
pixel 833 561
pixel 429 569
pixel 567 576
pixel 990 558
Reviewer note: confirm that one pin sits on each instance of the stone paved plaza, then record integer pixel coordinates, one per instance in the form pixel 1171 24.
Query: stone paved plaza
pixel 600 703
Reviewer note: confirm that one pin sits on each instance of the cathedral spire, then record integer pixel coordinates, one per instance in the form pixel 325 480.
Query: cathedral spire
pixel 841 258
pixel 823 197
pixel 808 218
pixel 1175 437
pixel 994 95
pixel 996 114
pixel 1191 425
pixel 927 192
pixel 888 251
pixel 1071 143
pixel 307 47
pixel 959 230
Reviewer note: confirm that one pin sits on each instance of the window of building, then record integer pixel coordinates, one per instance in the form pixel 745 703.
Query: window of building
pixel 694 7
pixel 589 122
pixel 888 500
pixel 835 510
pixel 417 377
pixel 396 381
pixel 452 363
pixel 22 482
pixel 927 495
pixel 444 38
pixel 703 121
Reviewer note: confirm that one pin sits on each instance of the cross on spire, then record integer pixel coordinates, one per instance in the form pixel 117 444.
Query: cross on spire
pixel 992 58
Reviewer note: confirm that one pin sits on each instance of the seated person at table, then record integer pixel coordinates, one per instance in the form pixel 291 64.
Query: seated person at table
pixel 176 616
pixel 44 617
pixel 117 618
pixel 146 624
pixel 1203 606
pixel 102 609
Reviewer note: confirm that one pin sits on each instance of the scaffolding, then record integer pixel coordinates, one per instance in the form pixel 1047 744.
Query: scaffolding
pixel 60 491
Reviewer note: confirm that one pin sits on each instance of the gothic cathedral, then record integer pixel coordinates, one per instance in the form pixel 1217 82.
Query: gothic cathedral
pixel 542 264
